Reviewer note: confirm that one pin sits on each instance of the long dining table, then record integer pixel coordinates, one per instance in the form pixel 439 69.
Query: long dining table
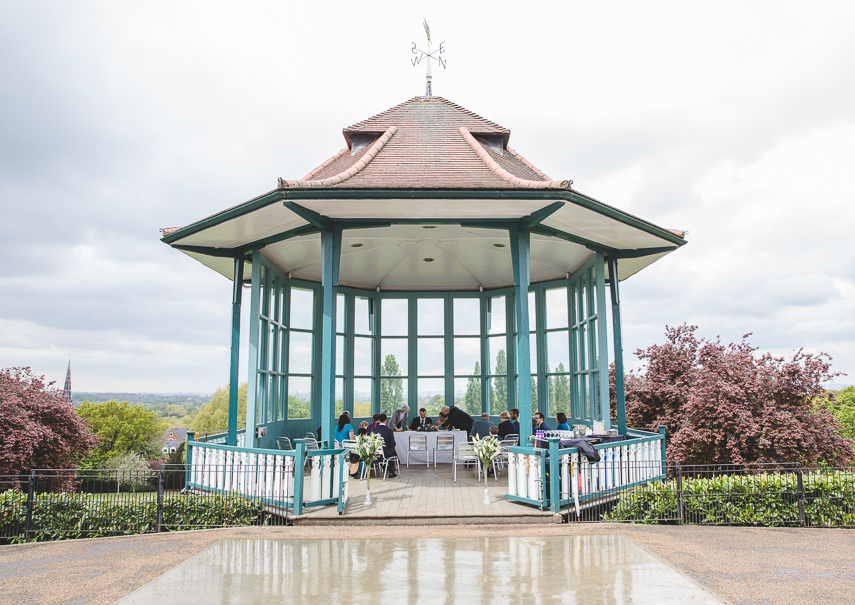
pixel 402 441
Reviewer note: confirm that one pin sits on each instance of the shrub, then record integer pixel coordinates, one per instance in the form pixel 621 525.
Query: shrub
pixel 767 499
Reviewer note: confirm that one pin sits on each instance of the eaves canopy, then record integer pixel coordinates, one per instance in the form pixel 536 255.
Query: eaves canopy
pixel 425 193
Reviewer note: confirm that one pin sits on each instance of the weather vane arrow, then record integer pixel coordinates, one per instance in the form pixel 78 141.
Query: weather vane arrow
pixel 435 55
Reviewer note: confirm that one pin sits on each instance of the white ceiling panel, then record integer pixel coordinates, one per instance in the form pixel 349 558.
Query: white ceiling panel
pixel 246 229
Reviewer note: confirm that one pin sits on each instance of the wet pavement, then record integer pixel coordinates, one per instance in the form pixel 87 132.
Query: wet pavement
pixel 589 569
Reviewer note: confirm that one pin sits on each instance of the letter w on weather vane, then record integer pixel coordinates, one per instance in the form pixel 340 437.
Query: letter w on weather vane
pixel 435 55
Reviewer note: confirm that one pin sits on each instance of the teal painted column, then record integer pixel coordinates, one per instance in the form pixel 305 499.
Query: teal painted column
pixel 330 255
pixel 603 342
pixel 237 290
pixel 618 345
pixel 252 353
pixel 521 256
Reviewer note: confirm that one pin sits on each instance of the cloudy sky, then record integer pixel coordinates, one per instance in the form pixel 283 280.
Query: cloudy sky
pixel 732 120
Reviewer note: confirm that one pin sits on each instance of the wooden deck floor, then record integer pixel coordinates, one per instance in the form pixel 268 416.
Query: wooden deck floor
pixel 423 496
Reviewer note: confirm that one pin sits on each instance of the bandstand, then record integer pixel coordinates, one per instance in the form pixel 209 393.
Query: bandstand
pixel 426 262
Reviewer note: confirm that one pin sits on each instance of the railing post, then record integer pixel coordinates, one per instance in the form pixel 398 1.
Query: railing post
pixel 188 477
pixel 800 493
pixel 680 511
pixel 664 453
pixel 299 464
pixel 554 475
pixel 159 500
pixel 28 527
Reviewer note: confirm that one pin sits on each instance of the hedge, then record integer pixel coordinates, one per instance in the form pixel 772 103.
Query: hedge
pixel 62 516
pixel 768 499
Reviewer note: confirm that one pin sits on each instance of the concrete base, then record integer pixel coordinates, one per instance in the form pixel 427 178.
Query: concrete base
pixel 419 521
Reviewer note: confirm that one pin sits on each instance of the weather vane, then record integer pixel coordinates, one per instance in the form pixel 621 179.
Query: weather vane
pixel 420 55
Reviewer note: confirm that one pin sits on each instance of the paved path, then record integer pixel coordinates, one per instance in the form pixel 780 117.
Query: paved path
pixel 762 566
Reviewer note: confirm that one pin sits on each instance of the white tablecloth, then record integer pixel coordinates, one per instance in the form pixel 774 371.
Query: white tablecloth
pixel 402 441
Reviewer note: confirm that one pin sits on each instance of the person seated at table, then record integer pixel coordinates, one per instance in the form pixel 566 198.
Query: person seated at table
pixel 494 432
pixel 458 419
pixel 441 423
pixel 561 417
pixel 363 428
pixel 375 420
pixel 481 428
pixel 398 423
pixel 515 418
pixel 506 427
pixel 539 424
pixel 421 420
pixel 388 442
pixel 344 430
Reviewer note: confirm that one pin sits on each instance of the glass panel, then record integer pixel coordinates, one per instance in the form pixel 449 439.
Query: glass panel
pixel 431 316
pixel 271 398
pixel 362 388
pixel 467 316
pixel 339 355
pixel 558 351
pixel 272 360
pixel 282 355
pixel 582 350
pixel 497 355
pixel 394 356
pixel 431 396
pixel 583 303
pixel 534 395
pixel 393 394
pixel 362 325
pixel 431 356
pixel 467 355
pixel 532 311
pixel 595 359
pixel 596 412
pixel 262 346
pixel 556 308
pixel 559 395
pixel 498 319
pixel 498 395
pixel 299 397
pixel 339 313
pixel 339 397
pixel 302 307
pixel 574 304
pixel 395 319
pixel 532 344
pixel 280 411
pixel 593 290
pixel 300 353
pixel 362 356
pixel 467 395
pixel 273 287
pixel 262 290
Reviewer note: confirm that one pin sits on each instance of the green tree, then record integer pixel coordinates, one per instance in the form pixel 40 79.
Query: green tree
pixel 842 405
pixel 391 389
pixel 435 405
pixel 132 470
pixel 533 394
pixel 500 385
pixel 123 428
pixel 213 417
pixel 559 392
pixel 472 400
pixel 299 408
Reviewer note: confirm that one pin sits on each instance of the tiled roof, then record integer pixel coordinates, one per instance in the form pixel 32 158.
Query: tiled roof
pixel 424 143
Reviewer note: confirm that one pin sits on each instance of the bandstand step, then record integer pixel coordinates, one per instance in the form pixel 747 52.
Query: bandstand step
pixel 350 520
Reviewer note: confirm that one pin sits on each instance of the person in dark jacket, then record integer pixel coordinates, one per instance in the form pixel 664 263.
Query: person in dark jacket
pixel 457 419
pixel 421 420
pixel 506 427
pixel 388 442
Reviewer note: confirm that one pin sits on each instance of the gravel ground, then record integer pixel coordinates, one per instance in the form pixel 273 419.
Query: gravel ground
pixel 741 565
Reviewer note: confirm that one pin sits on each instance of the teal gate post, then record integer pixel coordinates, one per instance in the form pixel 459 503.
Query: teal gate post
pixel 554 475
pixel 664 458
pixel 189 453
pixel 299 465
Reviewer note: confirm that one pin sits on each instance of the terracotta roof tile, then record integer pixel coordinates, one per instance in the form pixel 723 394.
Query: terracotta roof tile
pixel 428 150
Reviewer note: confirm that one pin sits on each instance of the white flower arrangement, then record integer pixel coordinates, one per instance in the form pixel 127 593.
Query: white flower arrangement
pixel 368 447
pixel 486 448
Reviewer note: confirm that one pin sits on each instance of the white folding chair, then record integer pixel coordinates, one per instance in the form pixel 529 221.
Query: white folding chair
pixel 381 462
pixel 418 444
pixel 444 444
pixel 283 443
pixel 311 446
pixel 466 455
pixel 501 460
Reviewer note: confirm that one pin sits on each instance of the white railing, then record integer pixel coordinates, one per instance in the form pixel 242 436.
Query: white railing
pixel 622 464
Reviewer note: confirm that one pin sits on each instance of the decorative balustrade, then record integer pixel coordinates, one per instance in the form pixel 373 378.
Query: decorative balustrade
pixel 277 477
pixel 553 477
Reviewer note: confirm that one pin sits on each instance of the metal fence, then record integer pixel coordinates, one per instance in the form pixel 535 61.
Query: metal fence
pixel 64 504
pixel 753 495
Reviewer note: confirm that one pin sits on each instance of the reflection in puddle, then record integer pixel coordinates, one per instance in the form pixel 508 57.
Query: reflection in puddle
pixel 471 571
